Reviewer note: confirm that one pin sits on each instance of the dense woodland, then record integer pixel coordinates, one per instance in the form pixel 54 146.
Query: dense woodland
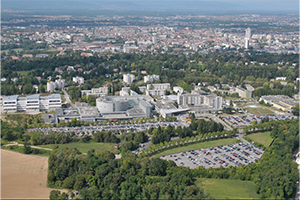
pixel 100 176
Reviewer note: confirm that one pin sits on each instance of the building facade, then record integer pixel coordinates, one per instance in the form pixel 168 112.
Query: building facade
pixel 32 103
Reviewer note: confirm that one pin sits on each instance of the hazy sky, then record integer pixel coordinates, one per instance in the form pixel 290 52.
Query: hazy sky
pixel 153 5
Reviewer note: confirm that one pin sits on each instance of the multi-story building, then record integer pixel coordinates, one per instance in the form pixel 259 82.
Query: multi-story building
pixel 101 91
pixel 32 103
pixel 200 98
pixel 134 106
pixel 243 92
pixel 78 80
pixel 128 78
pixel 57 84
pixel 155 92
pixel 151 78
pixel 158 86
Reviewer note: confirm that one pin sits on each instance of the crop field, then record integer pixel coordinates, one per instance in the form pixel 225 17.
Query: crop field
pixel 24 176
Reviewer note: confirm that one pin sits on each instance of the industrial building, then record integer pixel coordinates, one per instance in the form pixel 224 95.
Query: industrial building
pixel 32 103
pixel 282 102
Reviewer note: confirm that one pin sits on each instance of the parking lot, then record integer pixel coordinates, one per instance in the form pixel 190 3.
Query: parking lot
pixel 87 130
pixel 245 120
pixel 229 155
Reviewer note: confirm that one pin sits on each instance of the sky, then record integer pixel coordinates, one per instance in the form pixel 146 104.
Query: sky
pixel 155 5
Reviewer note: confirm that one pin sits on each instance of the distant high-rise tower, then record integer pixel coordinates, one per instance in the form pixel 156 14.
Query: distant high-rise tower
pixel 247 37
pixel 248 33
pixel 246 43
pixel 154 40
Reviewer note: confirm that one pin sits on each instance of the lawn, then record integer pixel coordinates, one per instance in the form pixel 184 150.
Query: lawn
pixel 85 147
pixel 23 73
pixel 228 189
pixel 197 146
pixel 263 138
pixel 259 111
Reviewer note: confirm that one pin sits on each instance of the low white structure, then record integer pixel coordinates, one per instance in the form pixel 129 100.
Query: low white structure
pixel 280 78
pixel 178 89
pixel 32 103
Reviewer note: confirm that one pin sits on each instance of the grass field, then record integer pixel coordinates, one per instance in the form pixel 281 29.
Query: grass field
pixel 85 147
pixel 263 138
pixel 259 111
pixel 23 73
pixel 197 146
pixel 228 189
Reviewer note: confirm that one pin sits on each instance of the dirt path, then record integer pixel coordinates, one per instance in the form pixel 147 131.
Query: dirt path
pixel 23 176
pixel 35 147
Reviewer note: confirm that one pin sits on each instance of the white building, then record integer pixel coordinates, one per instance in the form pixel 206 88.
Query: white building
pixel 151 78
pixel 101 91
pixel 159 86
pixel 128 78
pixel 32 103
pixel 280 78
pixel 178 89
pixel 78 80
pixel 57 84
pixel 248 33
pixel 246 43
pixel 200 98
pixel 155 92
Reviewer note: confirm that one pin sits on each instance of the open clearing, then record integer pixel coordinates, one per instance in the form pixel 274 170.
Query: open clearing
pixel 24 176
pixel 85 147
pixel 228 189
pixel 197 146
pixel 259 111
pixel 263 138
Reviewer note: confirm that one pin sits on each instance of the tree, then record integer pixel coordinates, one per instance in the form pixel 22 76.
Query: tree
pixel 41 89
pixel 295 110
pixel 27 148
pixel 54 194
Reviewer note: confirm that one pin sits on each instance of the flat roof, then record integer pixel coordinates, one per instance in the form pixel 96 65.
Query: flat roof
pixel 13 97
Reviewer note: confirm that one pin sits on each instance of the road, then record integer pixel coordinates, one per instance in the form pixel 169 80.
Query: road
pixel 67 98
